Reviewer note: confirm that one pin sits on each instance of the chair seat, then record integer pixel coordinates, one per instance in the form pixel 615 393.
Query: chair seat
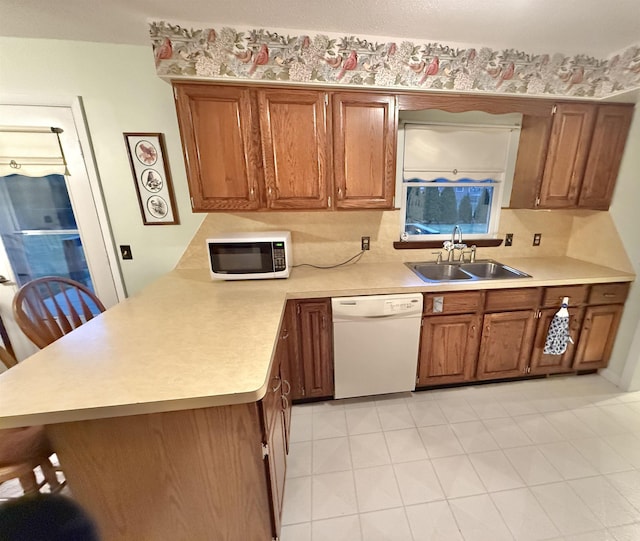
pixel 23 445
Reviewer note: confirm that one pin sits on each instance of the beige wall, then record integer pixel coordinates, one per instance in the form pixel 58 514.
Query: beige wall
pixel 122 93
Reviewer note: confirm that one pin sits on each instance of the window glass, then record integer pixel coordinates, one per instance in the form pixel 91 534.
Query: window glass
pixel 433 208
pixel 39 230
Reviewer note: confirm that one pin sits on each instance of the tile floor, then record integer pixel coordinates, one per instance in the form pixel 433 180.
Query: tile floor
pixel 554 459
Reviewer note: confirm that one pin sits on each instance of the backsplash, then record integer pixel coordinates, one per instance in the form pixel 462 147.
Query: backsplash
pixel 326 238
pixel 261 55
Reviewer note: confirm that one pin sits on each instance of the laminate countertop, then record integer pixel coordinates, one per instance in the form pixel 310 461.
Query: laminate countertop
pixel 187 342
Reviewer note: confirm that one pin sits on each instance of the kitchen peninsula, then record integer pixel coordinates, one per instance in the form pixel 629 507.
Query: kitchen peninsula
pixel 155 406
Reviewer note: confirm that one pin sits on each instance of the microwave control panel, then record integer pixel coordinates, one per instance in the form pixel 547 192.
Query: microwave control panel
pixel 279 258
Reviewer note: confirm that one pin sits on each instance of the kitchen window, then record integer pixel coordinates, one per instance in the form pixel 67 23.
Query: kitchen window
pixel 455 173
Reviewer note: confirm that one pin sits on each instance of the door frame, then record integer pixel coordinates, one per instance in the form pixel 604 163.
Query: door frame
pixel 79 153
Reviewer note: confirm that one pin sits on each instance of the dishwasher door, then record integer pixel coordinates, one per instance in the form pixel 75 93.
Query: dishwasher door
pixel 375 341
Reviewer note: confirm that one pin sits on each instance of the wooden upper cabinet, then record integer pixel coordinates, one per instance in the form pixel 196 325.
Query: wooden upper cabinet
pixel 364 150
pixel 530 161
pixel 607 146
pixel 293 128
pixel 221 146
pixel 567 155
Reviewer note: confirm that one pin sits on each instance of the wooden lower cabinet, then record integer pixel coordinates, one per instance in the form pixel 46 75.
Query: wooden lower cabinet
pixel 542 363
pixel 448 349
pixel 506 343
pixel 311 361
pixel 599 330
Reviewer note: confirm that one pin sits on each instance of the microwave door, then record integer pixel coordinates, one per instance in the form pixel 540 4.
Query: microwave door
pixel 241 257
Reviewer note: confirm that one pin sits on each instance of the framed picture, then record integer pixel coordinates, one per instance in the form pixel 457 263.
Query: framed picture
pixel 147 156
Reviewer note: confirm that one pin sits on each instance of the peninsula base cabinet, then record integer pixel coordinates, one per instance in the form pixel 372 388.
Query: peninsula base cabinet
pixel 191 474
pixel 209 473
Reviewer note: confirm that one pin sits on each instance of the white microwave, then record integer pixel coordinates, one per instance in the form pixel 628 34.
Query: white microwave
pixel 250 256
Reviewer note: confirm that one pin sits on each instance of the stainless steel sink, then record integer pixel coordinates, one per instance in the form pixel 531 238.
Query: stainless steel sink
pixel 453 272
pixel 439 273
pixel 492 270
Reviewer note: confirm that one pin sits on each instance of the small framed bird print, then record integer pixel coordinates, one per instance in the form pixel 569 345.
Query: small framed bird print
pixel 152 178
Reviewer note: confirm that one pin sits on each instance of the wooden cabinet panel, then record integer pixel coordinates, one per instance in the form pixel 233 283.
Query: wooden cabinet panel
pixel 599 331
pixel 190 474
pixel 221 146
pixel 609 293
pixel 456 302
pixel 542 363
pixel 313 359
pixel 448 349
pixel 506 343
pixel 552 296
pixel 607 146
pixel 364 148
pixel 499 300
pixel 276 465
pixel 530 161
pixel 567 155
pixel 293 127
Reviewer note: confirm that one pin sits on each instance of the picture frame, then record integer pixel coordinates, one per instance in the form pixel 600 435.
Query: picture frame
pixel 152 178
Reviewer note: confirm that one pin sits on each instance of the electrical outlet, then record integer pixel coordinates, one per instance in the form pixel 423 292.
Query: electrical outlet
pixel 125 251
pixel 508 240
pixel 537 237
pixel 365 243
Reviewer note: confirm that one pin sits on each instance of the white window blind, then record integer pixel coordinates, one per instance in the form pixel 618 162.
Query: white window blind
pixel 31 151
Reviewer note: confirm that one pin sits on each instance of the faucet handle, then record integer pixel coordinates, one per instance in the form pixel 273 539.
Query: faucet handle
pixel 439 257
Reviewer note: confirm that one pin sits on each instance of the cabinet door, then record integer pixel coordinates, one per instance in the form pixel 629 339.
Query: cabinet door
pixel 607 146
pixel 293 128
pixel 364 148
pixel 598 335
pixel 277 468
pixel 507 338
pixel 530 161
pixel 567 155
pixel 549 364
pixel 448 349
pixel 221 146
pixel 283 353
pixel 314 349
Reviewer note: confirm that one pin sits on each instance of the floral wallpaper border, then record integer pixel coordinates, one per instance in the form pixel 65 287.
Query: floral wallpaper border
pixel 261 55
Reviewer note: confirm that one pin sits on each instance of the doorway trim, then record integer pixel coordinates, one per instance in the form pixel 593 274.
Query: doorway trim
pixel 75 104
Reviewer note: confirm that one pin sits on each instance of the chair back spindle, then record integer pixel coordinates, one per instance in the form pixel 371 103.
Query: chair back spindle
pixel 48 308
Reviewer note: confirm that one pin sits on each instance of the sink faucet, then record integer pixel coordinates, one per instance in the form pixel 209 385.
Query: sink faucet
pixel 455 243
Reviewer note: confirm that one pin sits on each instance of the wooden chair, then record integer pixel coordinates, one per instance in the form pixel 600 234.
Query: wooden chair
pixel 22 450
pixel 48 308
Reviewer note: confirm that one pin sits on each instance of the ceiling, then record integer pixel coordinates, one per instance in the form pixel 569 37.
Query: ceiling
pixel 593 27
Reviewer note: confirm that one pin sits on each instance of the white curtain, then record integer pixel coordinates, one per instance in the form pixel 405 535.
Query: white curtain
pixel 31 151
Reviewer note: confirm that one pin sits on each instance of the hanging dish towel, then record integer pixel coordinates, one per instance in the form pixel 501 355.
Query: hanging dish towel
pixel 558 337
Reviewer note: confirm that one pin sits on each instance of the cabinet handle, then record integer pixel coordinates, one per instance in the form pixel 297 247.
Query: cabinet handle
pixel 285 403
pixel 609 295
pixel 275 389
pixel 285 335
pixel 339 192
pixel 473 331
pixel 288 385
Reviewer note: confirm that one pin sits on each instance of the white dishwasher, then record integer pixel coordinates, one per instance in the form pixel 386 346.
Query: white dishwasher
pixel 375 343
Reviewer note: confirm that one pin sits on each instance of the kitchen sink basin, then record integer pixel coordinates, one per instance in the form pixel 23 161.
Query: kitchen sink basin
pixel 453 272
pixel 492 270
pixel 442 272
